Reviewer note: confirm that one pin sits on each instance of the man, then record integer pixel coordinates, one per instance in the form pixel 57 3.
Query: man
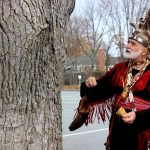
pixel 125 86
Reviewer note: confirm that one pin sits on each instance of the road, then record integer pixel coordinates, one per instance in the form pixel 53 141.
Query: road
pixel 91 137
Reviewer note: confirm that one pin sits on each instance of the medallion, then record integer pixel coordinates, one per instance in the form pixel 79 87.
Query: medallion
pixel 125 93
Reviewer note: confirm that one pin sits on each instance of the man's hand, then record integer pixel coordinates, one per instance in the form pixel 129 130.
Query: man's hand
pixel 91 82
pixel 129 117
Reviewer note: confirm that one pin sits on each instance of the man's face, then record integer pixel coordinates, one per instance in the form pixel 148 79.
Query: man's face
pixel 133 50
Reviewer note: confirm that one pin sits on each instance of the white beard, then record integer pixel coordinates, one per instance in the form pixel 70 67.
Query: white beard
pixel 128 54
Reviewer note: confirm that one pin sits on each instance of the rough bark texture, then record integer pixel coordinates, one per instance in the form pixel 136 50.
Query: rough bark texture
pixel 31 73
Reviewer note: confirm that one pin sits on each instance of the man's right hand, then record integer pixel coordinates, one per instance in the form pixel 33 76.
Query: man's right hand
pixel 91 82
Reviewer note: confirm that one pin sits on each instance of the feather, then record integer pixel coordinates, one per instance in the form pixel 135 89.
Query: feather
pixel 143 26
pixel 147 21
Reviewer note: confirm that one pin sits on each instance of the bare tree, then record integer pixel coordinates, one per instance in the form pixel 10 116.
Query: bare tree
pixel 31 70
pixel 90 29
pixel 123 13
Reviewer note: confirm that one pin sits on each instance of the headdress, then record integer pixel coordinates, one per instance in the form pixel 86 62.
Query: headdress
pixel 142 30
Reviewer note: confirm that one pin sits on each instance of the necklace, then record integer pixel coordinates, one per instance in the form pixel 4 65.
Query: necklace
pixel 130 81
pixel 139 62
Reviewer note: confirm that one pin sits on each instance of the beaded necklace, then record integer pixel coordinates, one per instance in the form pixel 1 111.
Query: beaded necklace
pixel 127 93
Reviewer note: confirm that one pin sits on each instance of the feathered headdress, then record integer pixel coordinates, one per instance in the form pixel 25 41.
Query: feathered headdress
pixel 142 30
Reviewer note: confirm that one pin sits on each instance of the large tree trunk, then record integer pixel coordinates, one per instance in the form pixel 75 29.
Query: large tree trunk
pixel 31 73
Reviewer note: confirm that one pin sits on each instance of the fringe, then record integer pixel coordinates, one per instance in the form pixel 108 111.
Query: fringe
pixel 101 110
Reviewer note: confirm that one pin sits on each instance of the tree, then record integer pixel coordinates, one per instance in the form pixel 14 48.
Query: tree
pixel 121 17
pixel 90 29
pixel 107 23
pixel 31 71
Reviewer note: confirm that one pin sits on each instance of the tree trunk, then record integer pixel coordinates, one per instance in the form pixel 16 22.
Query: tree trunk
pixel 31 72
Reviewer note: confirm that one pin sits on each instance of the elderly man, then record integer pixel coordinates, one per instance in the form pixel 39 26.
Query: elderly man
pixel 125 92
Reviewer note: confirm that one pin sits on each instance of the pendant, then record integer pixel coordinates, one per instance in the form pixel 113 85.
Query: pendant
pixel 125 93
pixel 131 99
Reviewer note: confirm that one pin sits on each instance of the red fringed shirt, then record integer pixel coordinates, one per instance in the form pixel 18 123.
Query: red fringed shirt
pixel 102 101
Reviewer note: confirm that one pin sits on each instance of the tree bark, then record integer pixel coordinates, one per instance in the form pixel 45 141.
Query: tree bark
pixel 32 54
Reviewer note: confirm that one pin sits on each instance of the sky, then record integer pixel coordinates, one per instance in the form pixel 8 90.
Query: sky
pixel 80 3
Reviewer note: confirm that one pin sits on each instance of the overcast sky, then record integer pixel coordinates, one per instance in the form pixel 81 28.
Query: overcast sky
pixel 79 5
